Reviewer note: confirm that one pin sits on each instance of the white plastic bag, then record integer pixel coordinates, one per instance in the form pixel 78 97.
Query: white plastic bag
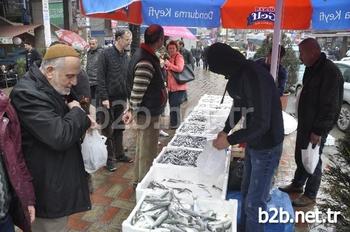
pixel 310 158
pixel 94 151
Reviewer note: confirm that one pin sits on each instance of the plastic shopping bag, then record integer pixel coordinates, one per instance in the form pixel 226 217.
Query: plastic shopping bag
pixel 310 158
pixel 94 151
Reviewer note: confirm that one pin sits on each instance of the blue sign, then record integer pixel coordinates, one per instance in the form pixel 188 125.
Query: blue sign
pixel 102 6
pixel 331 15
pixel 194 13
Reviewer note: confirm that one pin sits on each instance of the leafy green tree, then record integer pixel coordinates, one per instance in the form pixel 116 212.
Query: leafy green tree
pixel 290 60
pixel 337 185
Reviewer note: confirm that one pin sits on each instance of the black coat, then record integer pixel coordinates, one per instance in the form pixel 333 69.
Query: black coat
pixel 92 65
pixel 51 146
pixel 256 98
pixel 320 100
pixel 32 57
pixel 112 75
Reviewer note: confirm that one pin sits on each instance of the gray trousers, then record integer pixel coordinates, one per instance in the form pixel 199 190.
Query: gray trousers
pixel 146 145
pixel 50 225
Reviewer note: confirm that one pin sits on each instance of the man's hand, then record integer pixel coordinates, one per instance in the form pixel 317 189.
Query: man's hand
pixel 221 141
pixel 74 103
pixel 315 139
pixel 93 122
pixel 127 117
pixel 31 210
pixel 106 104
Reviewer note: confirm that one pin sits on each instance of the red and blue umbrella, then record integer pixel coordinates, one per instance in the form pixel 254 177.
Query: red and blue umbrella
pixel 240 14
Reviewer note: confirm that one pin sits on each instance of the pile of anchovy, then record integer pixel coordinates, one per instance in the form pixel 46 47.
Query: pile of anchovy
pixel 185 187
pixel 189 141
pixel 181 157
pixel 196 118
pixel 167 213
pixel 189 128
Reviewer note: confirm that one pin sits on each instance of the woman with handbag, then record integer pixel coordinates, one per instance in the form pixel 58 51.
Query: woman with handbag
pixel 177 92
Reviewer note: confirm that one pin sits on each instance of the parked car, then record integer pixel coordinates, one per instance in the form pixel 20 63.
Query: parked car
pixel 344 118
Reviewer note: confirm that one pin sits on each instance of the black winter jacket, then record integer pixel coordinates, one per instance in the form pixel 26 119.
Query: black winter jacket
pixel 92 65
pixel 320 100
pixel 255 97
pixel 51 136
pixel 112 75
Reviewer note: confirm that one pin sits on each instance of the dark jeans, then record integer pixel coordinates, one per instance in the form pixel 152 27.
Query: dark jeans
pixel 93 94
pixel 175 101
pixel 114 129
pixel 259 168
pixel 6 224
pixel 301 176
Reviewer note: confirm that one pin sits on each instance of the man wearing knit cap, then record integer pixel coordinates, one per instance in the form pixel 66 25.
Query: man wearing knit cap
pixel 257 100
pixel 113 92
pixel 148 99
pixel 52 124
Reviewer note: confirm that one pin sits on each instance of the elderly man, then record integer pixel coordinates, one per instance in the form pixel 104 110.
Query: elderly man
pixel 113 92
pixel 148 99
pixel 318 110
pixel 52 124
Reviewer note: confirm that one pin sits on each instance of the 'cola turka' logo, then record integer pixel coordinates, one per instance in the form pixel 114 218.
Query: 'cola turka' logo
pixel 262 15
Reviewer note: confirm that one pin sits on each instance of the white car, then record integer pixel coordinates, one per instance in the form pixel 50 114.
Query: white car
pixel 344 117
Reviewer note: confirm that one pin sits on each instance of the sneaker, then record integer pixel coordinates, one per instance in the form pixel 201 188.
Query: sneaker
pixel 303 201
pixel 111 166
pixel 163 133
pixel 291 188
pixel 124 159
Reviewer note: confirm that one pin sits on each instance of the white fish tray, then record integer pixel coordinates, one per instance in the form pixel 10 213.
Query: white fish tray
pixel 200 129
pixel 223 209
pixel 211 121
pixel 157 160
pixel 212 171
pixel 210 112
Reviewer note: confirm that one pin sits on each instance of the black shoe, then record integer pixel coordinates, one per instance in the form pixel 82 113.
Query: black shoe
pixel 291 188
pixel 124 159
pixel 111 166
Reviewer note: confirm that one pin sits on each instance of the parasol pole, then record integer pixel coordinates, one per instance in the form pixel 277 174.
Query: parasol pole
pixel 276 38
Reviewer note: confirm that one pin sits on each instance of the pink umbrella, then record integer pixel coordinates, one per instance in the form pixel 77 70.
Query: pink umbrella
pixel 182 32
pixel 72 39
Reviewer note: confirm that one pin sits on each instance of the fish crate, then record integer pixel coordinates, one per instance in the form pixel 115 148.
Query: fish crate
pixel 199 129
pixel 211 112
pixel 210 121
pixel 224 211
pixel 215 99
pixel 182 157
pixel 186 183
pixel 214 106
pixel 188 141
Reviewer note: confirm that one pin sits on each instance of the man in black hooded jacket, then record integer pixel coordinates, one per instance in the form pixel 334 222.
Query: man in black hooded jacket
pixel 257 100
